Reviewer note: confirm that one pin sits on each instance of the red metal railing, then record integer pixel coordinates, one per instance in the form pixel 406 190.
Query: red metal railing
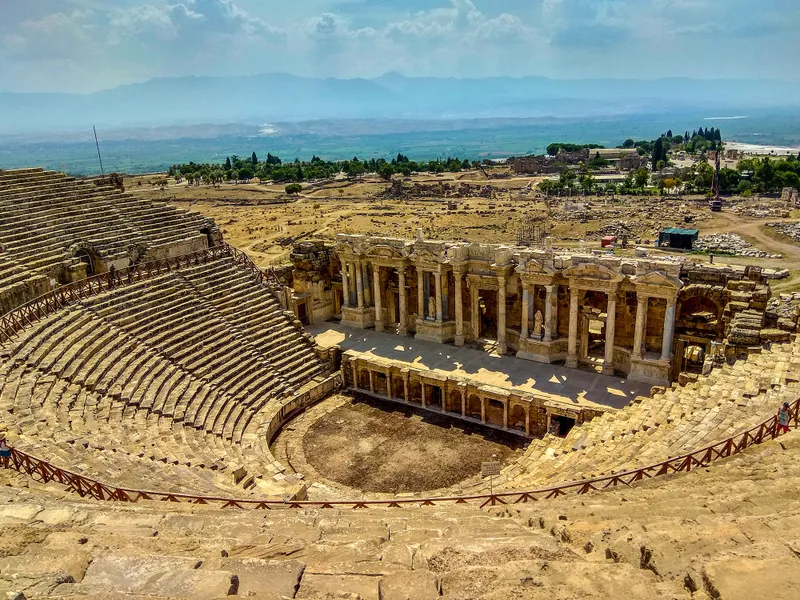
pixel 46 304
pixel 45 472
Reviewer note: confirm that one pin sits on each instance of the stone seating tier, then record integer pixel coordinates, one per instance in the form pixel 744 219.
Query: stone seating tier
pixel 671 422
pixel 157 383
pixel 46 216
pixel 727 532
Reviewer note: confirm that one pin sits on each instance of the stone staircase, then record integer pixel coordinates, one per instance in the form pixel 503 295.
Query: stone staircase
pixel 672 422
pixel 728 532
pixel 161 384
pixel 44 215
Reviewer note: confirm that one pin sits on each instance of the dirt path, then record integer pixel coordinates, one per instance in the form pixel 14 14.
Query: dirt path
pixel 753 232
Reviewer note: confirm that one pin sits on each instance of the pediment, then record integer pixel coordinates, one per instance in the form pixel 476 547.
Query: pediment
pixel 384 251
pixel 592 271
pixel 657 279
pixel 535 267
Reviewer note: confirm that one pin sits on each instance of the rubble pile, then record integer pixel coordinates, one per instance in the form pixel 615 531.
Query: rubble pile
pixel 791 229
pixel 761 211
pixel 784 310
pixel 730 243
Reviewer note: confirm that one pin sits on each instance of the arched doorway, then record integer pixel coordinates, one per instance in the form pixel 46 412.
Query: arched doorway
pixel 87 259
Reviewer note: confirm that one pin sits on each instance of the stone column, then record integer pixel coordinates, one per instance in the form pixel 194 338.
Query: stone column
pixel 405 386
pixel 371 382
pixel 502 348
pixel 528 420
pixel 475 312
pixel 483 409
pixel 505 414
pixel 459 337
pixel 525 310
pixel 641 324
pixel 355 375
pixel 389 384
pixel 611 315
pixel 401 284
pixel 669 330
pixel 463 402
pixel 438 277
pixel 420 295
pixel 376 280
pixel 422 392
pixel 548 312
pixel 572 342
pixel 359 285
pixel 345 285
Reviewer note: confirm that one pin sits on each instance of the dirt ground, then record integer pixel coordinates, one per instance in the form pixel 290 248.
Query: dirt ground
pixel 394 449
pixel 264 222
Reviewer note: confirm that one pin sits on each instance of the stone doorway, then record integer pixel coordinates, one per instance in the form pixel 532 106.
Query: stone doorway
pixel 487 315
pixel 302 313
pixel 560 426
pixel 593 330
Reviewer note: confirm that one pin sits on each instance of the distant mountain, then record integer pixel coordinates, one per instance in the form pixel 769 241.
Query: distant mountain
pixel 282 97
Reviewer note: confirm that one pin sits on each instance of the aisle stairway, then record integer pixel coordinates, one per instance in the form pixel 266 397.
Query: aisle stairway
pixel 726 533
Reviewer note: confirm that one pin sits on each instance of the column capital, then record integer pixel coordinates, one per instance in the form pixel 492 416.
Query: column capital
pixel 550 287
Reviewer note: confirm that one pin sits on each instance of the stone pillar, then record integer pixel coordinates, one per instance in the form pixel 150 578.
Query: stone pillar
pixel 420 295
pixel 525 310
pixel 548 311
pixel 483 409
pixel 502 348
pixel 463 402
pixel 459 337
pixel 355 375
pixel 401 281
pixel 476 332
pixel 669 330
pixel 438 277
pixel 641 324
pixel 371 382
pixel 376 279
pixel 422 392
pixel 405 386
pixel 389 385
pixel 345 285
pixel 611 315
pixel 359 284
pixel 572 342
pixel 505 414
pixel 528 420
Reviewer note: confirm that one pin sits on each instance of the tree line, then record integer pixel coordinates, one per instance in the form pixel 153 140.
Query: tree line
pixel 273 168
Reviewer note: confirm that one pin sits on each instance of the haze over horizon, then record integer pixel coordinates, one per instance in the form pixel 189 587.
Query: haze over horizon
pixel 83 46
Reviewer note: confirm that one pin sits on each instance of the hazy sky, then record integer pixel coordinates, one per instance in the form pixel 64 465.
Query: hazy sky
pixel 85 45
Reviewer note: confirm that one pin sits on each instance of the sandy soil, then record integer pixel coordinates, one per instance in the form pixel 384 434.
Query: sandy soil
pixel 380 448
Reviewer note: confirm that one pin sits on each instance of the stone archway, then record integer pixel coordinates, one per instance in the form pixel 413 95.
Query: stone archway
pixel 88 259
pixel 415 391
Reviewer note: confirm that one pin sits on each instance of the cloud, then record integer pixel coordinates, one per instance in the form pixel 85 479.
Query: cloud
pixel 84 44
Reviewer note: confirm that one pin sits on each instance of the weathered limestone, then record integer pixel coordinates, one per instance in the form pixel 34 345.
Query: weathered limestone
pixel 56 229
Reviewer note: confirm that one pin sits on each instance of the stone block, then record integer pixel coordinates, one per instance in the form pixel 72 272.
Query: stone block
pixel 413 585
pixel 323 586
pixel 746 578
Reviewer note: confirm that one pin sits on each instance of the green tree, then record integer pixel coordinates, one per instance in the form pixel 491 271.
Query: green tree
pixel 293 188
pixel 228 163
pixel 641 177
pixel 386 170
pixel 254 159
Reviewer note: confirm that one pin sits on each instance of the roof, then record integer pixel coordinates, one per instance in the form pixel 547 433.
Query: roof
pixel 679 231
